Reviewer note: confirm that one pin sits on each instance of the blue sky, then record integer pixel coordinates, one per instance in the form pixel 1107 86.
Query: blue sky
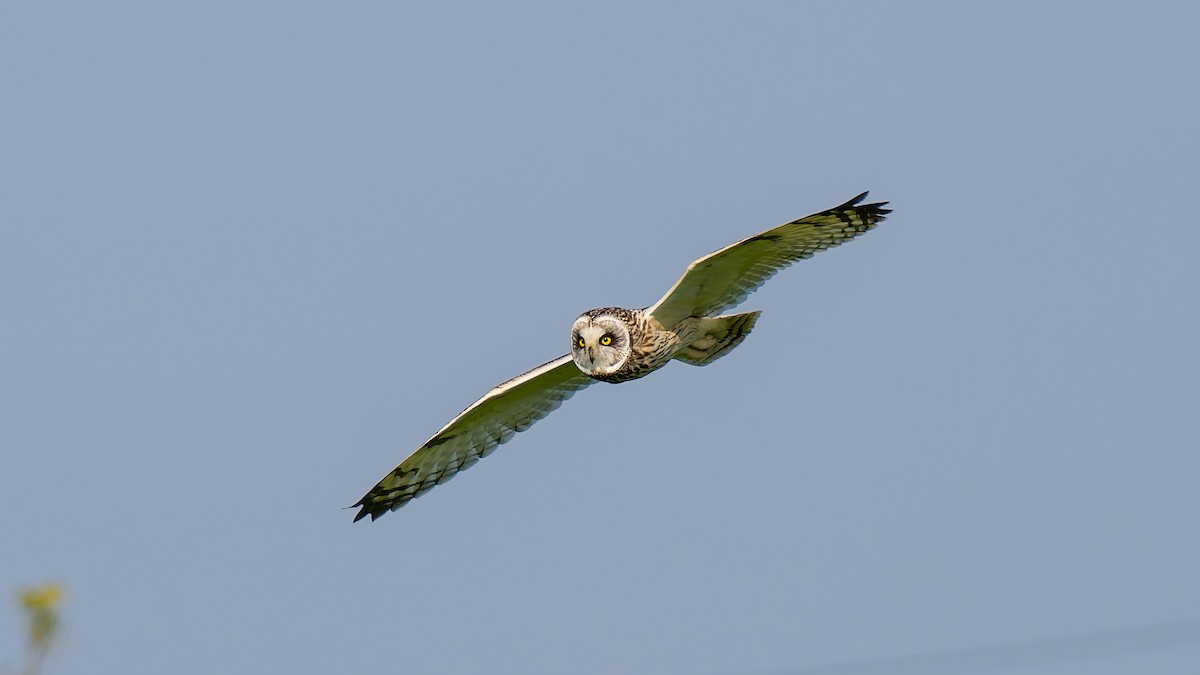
pixel 253 254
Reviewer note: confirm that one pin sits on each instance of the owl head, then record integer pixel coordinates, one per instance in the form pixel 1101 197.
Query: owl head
pixel 599 344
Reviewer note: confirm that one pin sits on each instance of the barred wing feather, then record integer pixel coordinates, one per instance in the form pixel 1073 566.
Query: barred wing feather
pixel 502 412
pixel 724 278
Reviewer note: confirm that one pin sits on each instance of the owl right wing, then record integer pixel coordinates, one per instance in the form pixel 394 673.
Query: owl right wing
pixel 724 278
pixel 508 408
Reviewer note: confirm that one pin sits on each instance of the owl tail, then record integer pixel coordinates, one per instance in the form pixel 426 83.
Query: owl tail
pixel 716 337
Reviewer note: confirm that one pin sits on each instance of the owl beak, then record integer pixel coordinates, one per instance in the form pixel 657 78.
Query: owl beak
pixel 592 354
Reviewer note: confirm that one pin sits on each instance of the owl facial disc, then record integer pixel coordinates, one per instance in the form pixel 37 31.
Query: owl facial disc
pixel 599 345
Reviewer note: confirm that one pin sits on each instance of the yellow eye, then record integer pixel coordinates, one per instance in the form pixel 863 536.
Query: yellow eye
pixel 580 343
pixel 606 340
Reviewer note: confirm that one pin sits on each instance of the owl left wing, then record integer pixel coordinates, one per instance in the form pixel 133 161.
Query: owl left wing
pixel 508 408
pixel 724 278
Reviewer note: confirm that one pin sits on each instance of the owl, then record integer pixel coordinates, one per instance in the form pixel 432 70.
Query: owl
pixel 614 345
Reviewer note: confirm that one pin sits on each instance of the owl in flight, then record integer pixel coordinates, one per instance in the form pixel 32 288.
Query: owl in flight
pixel 612 344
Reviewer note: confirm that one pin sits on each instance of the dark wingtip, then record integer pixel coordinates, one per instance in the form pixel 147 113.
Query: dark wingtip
pixel 874 207
pixel 855 200
pixel 364 512
pixel 375 514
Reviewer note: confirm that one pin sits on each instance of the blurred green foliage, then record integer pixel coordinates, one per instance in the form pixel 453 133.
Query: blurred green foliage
pixel 40 605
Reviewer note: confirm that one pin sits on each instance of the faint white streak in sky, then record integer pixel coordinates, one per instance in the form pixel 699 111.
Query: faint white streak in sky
pixel 1097 645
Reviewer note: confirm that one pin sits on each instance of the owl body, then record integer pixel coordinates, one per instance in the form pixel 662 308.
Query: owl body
pixel 614 344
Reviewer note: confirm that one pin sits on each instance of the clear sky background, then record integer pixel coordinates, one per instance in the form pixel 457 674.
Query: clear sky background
pixel 253 254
